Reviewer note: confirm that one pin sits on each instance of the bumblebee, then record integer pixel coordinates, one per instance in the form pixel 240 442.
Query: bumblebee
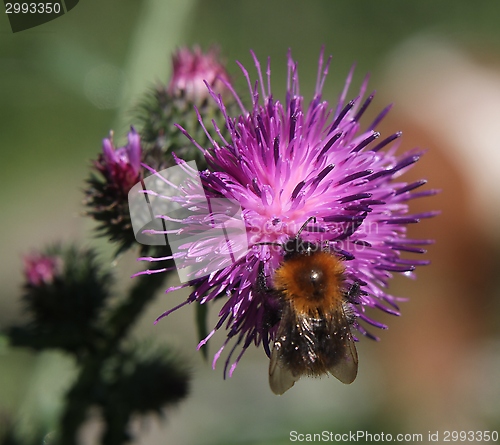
pixel 314 335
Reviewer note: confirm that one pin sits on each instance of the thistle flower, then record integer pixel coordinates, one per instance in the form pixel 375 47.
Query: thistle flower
pixel 285 163
pixel 106 197
pixel 192 68
pixel 40 269
pixel 121 166
pixel 166 105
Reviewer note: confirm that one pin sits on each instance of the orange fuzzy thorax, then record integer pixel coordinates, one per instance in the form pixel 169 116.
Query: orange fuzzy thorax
pixel 311 283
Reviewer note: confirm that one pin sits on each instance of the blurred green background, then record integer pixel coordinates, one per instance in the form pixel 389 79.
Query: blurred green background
pixel 65 84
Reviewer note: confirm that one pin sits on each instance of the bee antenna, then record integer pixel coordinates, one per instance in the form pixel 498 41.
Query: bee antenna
pixel 305 225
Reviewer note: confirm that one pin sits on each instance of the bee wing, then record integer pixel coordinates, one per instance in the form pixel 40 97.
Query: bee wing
pixel 345 366
pixel 281 378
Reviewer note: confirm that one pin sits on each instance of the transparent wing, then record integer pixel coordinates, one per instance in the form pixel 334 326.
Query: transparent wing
pixel 281 378
pixel 344 366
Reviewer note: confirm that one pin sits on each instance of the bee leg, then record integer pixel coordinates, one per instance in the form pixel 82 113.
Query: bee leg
pixel 354 292
pixel 351 297
pixel 271 318
pixel 349 313
pixel 271 306
pixel 262 287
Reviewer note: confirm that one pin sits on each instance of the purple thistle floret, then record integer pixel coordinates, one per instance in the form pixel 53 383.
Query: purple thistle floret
pixel 287 162
pixel 121 166
pixel 40 269
pixel 192 68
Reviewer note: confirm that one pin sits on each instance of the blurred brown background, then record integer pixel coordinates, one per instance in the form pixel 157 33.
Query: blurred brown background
pixel 64 84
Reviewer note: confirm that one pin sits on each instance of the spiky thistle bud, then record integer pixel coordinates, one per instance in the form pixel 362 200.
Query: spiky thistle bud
pixel 65 290
pixel 167 105
pixel 116 171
